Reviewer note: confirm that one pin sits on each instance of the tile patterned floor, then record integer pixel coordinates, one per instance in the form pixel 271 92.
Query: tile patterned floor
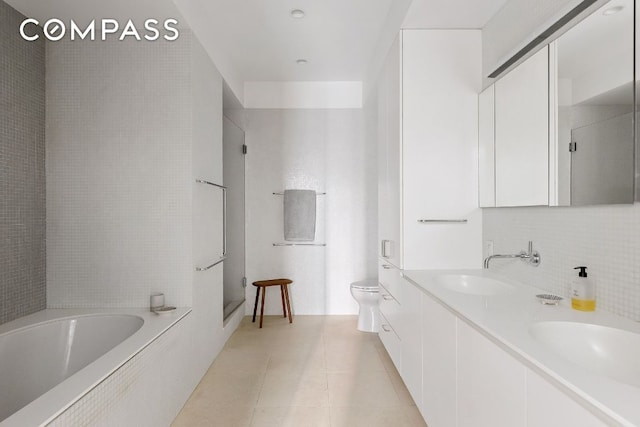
pixel 318 371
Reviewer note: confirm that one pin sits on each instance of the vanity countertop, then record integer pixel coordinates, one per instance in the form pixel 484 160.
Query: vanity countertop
pixel 506 318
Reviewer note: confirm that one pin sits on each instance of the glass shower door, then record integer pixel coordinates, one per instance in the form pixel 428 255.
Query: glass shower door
pixel 234 180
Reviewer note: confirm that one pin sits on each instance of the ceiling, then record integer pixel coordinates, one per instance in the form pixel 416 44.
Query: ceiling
pixel 260 41
pixel 338 38
pixel 263 41
pixel 451 13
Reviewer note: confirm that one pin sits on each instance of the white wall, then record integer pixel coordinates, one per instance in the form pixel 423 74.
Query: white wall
pixel 330 151
pixel 206 123
pixel 303 94
pixel 119 173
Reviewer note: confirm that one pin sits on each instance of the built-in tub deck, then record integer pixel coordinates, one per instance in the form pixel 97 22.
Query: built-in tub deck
pixel 75 350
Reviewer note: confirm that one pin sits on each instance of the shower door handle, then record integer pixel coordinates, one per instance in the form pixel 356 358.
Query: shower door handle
pixel 224 221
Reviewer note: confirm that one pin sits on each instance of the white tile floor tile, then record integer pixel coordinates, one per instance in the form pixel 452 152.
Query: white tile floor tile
pixel 319 371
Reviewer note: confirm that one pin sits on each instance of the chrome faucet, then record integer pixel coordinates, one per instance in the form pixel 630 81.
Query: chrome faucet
pixel 530 256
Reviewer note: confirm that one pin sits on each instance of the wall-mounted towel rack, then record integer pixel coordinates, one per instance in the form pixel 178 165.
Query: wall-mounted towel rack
pixel 299 244
pixel 224 217
pixel 442 221
pixel 212 265
pixel 202 181
pixel 282 194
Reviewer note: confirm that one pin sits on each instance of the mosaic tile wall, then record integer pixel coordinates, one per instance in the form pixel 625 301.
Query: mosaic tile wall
pixel 604 238
pixel 22 170
pixel 119 172
pixel 328 151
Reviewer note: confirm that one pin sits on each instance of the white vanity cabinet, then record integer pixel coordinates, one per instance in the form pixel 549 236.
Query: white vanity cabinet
pixel 391 341
pixel 438 329
pixel 468 380
pixel 428 144
pixel 390 310
pixel 549 407
pixel 491 383
pixel 411 333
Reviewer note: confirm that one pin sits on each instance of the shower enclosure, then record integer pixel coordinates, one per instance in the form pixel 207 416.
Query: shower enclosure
pixel 234 180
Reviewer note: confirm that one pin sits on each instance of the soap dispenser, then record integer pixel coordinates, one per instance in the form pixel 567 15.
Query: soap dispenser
pixel 583 292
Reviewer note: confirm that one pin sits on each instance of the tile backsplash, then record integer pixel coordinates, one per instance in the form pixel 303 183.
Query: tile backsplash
pixel 604 238
pixel 22 170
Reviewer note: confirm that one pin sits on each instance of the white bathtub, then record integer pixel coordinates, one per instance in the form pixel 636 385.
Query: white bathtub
pixel 50 359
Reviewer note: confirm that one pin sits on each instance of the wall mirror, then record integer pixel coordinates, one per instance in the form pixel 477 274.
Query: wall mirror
pixel 595 153
pixel 561 133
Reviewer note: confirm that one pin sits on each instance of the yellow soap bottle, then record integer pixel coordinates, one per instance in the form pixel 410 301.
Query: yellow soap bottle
pixel 583 292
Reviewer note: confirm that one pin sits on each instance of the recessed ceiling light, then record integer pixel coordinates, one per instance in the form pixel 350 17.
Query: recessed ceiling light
pixel 301 61
pixel 297 13
pixel 612 10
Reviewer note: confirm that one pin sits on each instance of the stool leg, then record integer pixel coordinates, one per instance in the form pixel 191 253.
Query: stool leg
pixel 284 309
pixel 264 291
pixel 286 291
pixel 255 306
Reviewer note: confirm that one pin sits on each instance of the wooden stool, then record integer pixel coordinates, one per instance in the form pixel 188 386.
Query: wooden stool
pixel 284 292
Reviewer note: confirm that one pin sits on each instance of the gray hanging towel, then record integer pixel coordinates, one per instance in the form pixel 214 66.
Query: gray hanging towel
pixel 299 215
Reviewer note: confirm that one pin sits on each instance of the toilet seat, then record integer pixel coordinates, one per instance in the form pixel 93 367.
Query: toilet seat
pixel 366 286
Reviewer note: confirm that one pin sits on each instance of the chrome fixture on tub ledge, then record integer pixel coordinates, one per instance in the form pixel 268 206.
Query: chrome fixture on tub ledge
pixel 530 256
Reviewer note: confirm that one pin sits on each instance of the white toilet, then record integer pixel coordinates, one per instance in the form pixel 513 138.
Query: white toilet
pixel 366 293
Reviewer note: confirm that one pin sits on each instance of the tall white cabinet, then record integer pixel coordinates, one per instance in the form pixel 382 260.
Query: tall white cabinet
pixel 440 82
pixel 428 180
pixel 428 155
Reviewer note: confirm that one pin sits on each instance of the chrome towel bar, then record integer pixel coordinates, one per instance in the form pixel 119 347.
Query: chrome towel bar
pixel 202 181
pixel 224 215
pixel 299 244
pixel 212 265
pixel 282 194
pixel 442 221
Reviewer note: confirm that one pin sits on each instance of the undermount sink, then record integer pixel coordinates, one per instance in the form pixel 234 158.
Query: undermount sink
pixel 610 352
pixel 475 285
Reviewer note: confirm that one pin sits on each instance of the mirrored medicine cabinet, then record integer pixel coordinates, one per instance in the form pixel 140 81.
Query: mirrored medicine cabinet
pixel 558 129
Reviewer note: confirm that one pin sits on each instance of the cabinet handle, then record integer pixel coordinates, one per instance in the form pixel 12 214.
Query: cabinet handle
pixel 387 297
pixel 386 328
pixel 436 221
pixel 386 266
